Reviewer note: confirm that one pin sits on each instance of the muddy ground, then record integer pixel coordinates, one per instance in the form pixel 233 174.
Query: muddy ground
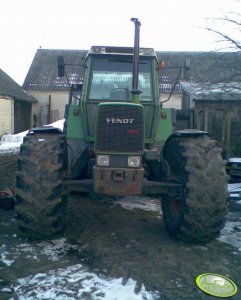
pixel 134 244
pixel 108 241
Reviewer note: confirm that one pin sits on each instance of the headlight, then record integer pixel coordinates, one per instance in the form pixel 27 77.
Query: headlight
pixel 134 161
pixel 103 160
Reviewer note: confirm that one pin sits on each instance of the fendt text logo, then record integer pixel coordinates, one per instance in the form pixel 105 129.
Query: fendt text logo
pixel 119 121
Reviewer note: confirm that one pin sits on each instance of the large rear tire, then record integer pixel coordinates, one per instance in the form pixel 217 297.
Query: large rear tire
pixel 198 214
pixel 40 207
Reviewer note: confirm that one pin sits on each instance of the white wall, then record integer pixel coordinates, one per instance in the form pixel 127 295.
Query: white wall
pixel 58 102
pixel 174 102
pixel 6 115
pixel 60 99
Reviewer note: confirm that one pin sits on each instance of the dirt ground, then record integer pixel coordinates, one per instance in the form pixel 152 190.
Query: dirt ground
pixel 134 244
pixel 113 242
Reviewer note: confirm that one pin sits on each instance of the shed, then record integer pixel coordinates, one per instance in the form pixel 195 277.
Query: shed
pixel 15 106
pixel 216 109
pixel 200 67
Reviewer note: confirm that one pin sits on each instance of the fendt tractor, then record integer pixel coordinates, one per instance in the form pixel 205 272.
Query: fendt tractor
pixel 118 140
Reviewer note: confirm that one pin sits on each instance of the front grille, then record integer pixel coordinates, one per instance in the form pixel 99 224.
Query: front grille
pixel 120 129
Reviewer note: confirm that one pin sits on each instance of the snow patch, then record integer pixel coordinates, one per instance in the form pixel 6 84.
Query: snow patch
pixel 3 256
pixel 75 282
pixel 54 251
pixel 133 202
pixel 231 233
pixel 12 142
pixel 57 249
pixel 6 261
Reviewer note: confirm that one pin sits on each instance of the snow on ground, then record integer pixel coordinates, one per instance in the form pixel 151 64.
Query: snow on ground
pixel 12 142
pixel 75 282
pixel 132 202
pixel 53 251
pixel 69 283
pixel 72 282
pixel 231 233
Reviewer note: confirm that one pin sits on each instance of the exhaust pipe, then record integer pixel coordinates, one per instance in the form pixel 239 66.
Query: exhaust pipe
pixel 135 91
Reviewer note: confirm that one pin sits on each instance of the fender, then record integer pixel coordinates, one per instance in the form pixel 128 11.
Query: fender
pixel 188 133
pixel 45 129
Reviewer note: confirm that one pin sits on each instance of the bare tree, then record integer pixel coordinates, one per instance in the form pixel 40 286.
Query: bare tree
pixel 230 34
pixel 218 72
pixel 223 71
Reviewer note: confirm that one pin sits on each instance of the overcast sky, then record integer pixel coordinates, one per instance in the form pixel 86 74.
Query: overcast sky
pixel 172 25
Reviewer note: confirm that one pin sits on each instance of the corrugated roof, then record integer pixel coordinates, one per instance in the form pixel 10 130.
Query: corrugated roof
pixel 10 88
pixel 215 92
pixel 211 67
pixel 204 66
pixel 42 75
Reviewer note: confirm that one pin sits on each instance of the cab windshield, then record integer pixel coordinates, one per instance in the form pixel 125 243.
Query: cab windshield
pixel 112 79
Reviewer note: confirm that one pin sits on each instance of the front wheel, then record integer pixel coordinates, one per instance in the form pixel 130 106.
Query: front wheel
pixel 40 206
pixel 198 214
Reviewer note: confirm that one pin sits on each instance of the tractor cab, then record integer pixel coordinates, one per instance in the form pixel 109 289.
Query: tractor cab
pixel 109 79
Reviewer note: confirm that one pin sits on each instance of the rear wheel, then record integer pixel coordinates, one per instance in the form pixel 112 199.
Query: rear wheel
pixel 198 214
pixel 40 206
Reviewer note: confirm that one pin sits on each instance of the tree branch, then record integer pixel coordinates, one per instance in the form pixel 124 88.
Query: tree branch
pixel 226 37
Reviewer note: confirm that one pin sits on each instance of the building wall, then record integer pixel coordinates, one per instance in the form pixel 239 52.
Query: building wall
pixel 51 106
pixel 6 115
pixel 174 102
pixel 58 100
pixel 22 116
pixel 222 121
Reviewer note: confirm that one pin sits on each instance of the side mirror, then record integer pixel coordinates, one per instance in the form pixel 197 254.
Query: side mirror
pixel 77 87
pixel 61 66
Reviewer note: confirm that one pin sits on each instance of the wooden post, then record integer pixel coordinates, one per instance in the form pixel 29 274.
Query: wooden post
pixel 228 131
pixel 49 110
pixel 205 119
pixel 196 118
pixel 186 98
pixel 224 126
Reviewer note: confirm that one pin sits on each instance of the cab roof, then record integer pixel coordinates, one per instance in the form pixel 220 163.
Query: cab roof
pixel 121 50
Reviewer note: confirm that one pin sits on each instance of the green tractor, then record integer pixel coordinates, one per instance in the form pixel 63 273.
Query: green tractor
pixel 117 140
